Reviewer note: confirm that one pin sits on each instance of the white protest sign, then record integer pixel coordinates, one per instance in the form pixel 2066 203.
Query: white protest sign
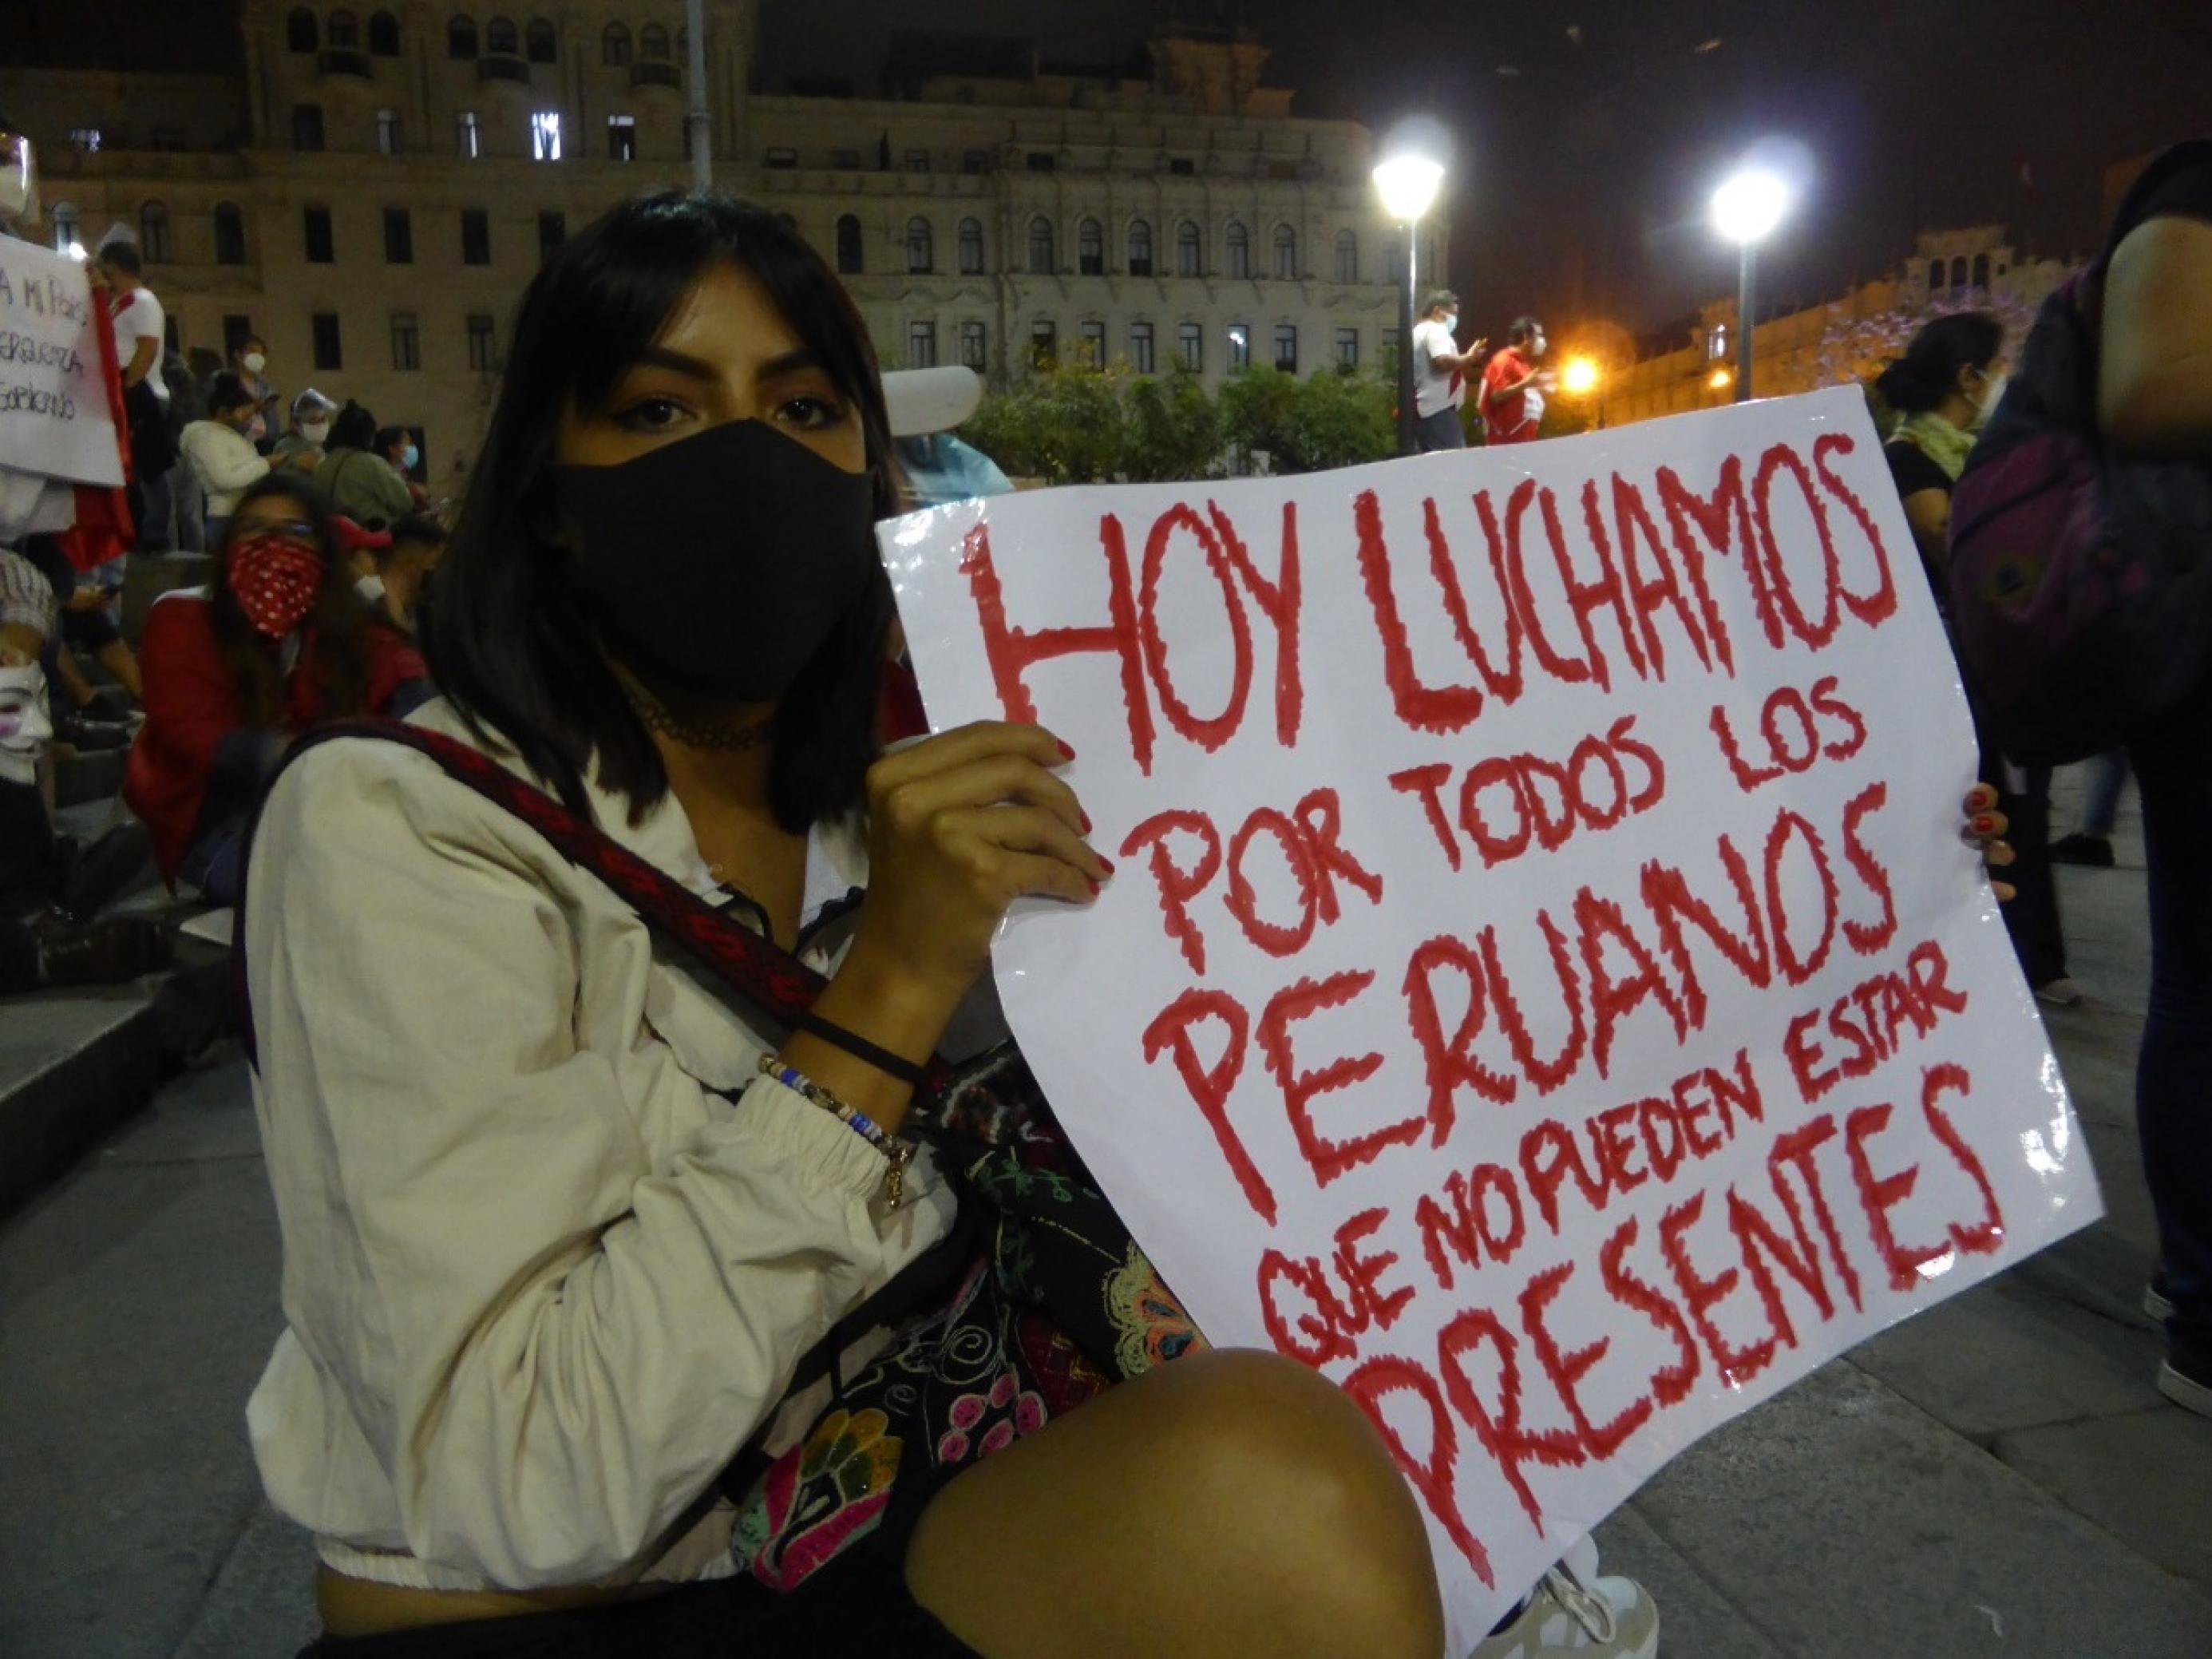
pixel 1545 987
pixel 53 404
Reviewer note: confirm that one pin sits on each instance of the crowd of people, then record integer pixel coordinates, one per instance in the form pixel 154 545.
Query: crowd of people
pixel 623 1303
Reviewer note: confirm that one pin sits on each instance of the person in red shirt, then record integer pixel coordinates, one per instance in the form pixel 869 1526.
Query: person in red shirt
pixel 1513 386
pixel 277 642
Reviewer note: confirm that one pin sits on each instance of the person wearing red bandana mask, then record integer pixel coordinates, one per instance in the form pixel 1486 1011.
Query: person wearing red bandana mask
pixel 277 642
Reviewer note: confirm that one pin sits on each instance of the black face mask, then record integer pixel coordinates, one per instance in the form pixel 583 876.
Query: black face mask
pixel 721 563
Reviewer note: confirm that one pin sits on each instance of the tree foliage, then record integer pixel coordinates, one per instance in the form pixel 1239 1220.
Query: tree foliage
pixel 1069 423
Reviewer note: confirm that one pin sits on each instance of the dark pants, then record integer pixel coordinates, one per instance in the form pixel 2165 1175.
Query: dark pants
pixel 2032 917
pixel 2173 1074
pixel 1439 431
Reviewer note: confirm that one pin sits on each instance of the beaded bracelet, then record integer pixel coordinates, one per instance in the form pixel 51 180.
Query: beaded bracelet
pixel 897 1150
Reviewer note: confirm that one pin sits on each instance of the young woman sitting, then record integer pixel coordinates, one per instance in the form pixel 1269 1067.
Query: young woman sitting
pixel 235 671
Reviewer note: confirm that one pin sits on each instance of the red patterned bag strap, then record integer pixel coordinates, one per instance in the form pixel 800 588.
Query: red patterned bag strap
pixel 758 970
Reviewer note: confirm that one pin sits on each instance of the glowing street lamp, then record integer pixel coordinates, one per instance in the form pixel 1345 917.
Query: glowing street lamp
pixel 1408 181
pixel 1579 378
pixel 1747 208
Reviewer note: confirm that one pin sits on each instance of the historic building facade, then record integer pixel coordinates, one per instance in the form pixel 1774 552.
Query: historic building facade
pixel 1849 338
pixel 372 190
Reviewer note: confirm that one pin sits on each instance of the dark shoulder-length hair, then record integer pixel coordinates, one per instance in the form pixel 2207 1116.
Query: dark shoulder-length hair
pixel 344 655
pixel 1927 373
pixel 511 641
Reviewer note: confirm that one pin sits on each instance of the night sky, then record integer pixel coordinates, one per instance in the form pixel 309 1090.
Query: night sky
pixel 1580 181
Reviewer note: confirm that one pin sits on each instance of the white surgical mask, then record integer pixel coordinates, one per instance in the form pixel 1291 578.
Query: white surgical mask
pixel 1993 391
pixel 256 430
pixel 1451 323
pixel 315 431
pixel 254 361
pixel 25 728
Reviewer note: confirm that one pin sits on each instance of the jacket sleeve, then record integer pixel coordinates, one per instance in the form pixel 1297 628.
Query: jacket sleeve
pixel 191 707
pixel 552 1342
pixel 224 469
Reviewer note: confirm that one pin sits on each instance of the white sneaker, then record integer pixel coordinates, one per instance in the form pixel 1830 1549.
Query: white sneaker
pixel 1573 1612
pixel 2061 994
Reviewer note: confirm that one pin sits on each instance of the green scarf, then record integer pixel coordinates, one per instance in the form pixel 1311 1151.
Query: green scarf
pixel 1941 442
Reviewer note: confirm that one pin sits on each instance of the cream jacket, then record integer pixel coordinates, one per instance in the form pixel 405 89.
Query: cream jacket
pixel 552 1248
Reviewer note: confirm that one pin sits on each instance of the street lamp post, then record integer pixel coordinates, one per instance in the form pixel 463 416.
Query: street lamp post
pixel 1746 210
pixel 1407 183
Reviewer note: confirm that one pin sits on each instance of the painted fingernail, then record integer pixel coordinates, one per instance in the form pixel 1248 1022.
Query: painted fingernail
pixel 1096 889
pixel 1107 865
pixel 1066 753
pixel 1086 821
pixel 1985 823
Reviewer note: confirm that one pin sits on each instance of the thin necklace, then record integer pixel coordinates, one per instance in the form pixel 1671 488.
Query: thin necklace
pixel 711 734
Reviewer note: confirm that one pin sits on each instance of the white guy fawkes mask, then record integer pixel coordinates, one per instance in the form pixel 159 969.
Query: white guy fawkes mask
pixel 25 730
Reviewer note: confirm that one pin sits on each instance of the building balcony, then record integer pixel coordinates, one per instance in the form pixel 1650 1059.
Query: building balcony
pixel 502 68
pixel 346 60
pixel 655 74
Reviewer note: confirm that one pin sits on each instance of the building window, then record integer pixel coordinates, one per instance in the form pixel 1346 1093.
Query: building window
pixel 1140 347
pixel 652 43
pixel 300 30
pixel 1039 160
pixel 170 139
pixel 1287 347
pixel 461 39
pixel 476 237
pixel 1981 270
pixel 849 250
pixel 1190 260
pixel 1394 257
pixel 306 127
pixel 1240 250
pixel 65 226
pixel 1959 271
pixel 85 139
pixel 971 248
pixel 1141 248
pixel 387 132
pixel 1094 344
pixel 920 254
pixel 229 234
pixel 552 231
pixel 622 138
pixel 1347 348
pixel 975 160
pixel 328 354
pixel 781 159
pixel 921 345
pixel 468 134
pixel 1347 256
pixel 1044 345
pixel 384 35
pixel 1286 254
pixel 398 237
pixel 1240 346
pixel 1935 276
pixel 545 136
pixel 1040 259
pixel 406 341
pixel 1090 248
pixel 501 40
pixel 317 233
pixel 153 233
pixel 917 161
pixel 844 161
pixel 1182 166
pixel 614 46
pixel 545 45
pixel 974 345
pixel 483 353
pixel 1190 345
pixel 344 33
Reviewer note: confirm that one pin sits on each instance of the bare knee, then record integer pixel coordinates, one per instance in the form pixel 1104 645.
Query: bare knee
pixel 1306 1476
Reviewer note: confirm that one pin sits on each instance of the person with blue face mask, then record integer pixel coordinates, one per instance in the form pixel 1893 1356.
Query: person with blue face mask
pixel 398 446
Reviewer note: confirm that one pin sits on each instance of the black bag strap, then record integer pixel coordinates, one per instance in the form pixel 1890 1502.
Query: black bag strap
pixel 762 973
